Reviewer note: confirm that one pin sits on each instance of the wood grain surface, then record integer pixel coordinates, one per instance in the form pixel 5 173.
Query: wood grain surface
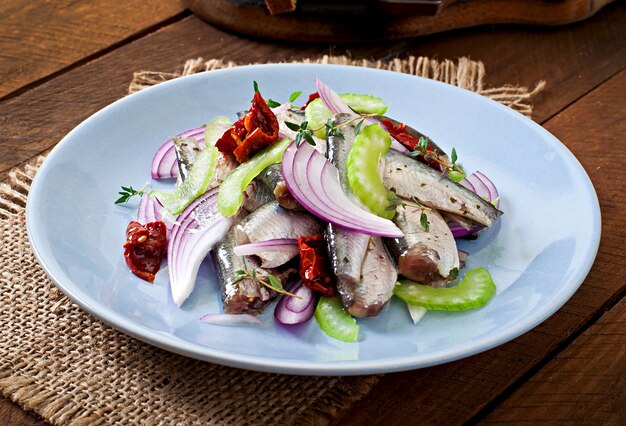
pixel 323 27
pixel 39 38
pixel 583 106
pixel 548 54
pixel 585 384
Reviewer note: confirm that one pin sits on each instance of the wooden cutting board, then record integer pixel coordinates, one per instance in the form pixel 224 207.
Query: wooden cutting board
pixel 324 26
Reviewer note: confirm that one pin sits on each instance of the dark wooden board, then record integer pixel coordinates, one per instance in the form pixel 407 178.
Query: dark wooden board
pixel 319 25
pixel 40 38
pixel 574 60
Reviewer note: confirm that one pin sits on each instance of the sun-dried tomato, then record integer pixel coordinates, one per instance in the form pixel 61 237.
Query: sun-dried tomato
pixel 257 130
pixel 231 137
pixel 145 247
pixel 314 269
pixel 312 97
pixel 398 131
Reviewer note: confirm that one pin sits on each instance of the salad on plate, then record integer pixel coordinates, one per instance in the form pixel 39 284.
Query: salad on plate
pixel 331 207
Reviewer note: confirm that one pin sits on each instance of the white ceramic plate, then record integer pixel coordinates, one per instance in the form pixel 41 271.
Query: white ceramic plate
pixel 538 253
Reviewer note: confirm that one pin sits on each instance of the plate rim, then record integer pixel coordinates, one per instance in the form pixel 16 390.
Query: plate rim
pixel 290 366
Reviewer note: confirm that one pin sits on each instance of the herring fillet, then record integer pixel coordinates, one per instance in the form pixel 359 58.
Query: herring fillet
pixel 346 248
pixel 365 272
pixel 246 295
pixel 428 256
pixel 410 179
pixel 256 195
pixel 271 221
pixel 378 278
pixel 273 179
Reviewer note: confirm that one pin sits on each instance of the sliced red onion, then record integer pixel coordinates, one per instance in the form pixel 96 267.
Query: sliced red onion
pixel 293 310
pixel 287 245
pixel 314 183
pixel 230 319
pixel 466 183
pixel 494 195
pixel 482 186
pixel 196 230
pixel 164 162
pixel 150 210
pixel 416 312
pixel 281 108
pixel 336 105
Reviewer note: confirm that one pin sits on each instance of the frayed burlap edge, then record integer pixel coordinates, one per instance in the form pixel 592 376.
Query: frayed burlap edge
pixel 464 73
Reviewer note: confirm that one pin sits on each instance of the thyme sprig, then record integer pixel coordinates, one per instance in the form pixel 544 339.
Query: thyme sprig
pixel 272 282
pixel 423 217
pixel 305 133
pixel 129 192
pixel 453 169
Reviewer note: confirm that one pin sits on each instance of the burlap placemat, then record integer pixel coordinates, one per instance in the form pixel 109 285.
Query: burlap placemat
pixel 70 368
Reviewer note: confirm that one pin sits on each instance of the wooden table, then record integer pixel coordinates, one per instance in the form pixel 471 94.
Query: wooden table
pixel 61 61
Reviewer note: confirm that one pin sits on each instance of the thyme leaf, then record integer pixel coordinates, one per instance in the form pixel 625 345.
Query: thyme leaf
pixel 272 103
pixel 292 126
pixel 294 96
pixel 424 222
pixel 128 192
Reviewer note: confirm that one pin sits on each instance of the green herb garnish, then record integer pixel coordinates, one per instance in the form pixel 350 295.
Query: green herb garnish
pixel 128 192
pixel 424 222
pixel 272 103
pixel 272 282
pixel 294 96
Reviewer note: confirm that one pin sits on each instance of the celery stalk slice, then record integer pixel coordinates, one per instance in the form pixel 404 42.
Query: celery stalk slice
pixel 335 321
pixel 215 129
pixel 371 144
pixel 316 113
pixel 474 291
pixel 365 104
pixel 196 183
pixel 230 197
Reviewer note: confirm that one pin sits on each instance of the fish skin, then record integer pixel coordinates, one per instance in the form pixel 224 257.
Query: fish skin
pixel 346 251
pixel 238 296
pixel 428 257
pixel 256 195
pixel 225 164
pixel 375 288
pixel 246 296
pixel 363 267
pixel 272 178
pixel 410 179
pixel 463 221
pixel 186 150
pixel 346 248
pixel 272 221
